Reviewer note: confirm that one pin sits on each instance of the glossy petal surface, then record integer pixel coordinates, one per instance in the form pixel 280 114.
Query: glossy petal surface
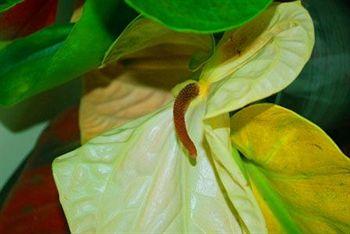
pixel 137 178
pixel 260 58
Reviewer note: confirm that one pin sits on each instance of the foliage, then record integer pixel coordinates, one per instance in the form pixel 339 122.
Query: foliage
pixel 200 16
pixel 322 91
pixel 7 4
pixel 82 50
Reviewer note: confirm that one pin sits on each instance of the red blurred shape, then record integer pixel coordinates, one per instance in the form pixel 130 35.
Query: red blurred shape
pixel 33 205
pixel 27 17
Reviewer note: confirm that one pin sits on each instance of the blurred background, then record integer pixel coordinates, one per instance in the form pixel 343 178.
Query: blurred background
pixel 21 125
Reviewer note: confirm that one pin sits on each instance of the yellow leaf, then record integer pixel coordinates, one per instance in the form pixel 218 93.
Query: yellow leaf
pixel 299 175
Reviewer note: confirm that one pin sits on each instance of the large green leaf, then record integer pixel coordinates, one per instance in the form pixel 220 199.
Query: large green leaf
pixel 200 15
pixel 33 47
pixel 260 58
pixel 82 51
pixel 33 50
pixel 137 178
pixel 298 174
pixel 322 91
pixel 3 44
pixel 7 4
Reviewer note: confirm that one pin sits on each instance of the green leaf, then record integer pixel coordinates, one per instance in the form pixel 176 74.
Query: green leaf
pixel 144 34
pixel 7 4
pixel 82 51
pixel 3 44
pixel 298 174
pixel 27 55
pixel 200 16
pixel 259 58
pixel 137 178
pixel 33 47
pixel 322 91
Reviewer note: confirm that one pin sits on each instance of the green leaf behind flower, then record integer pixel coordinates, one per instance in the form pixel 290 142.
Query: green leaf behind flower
pixel 200 16
pixel 322 91
pixel 22 61
pixel 82 51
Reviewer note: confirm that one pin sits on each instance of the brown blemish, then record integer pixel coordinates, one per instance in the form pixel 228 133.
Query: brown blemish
pixel 317 146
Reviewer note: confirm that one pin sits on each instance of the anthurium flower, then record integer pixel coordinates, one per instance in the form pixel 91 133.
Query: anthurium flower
pixel 138 177
pixel 138 74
